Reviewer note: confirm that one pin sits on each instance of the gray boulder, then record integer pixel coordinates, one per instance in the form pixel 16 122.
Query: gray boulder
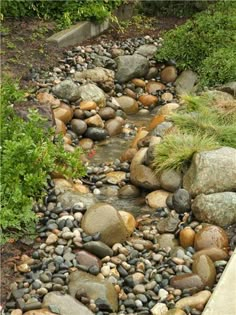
pixel 131 66
pixel 185 82
pixel 91 92
pixel 211 171
pixel 147 50
pixel 170 180
pixel 218 208
pixel 67 90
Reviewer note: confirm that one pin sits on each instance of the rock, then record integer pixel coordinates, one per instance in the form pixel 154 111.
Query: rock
pixel 205 269
pixel 51 239
pixel 107 113
pixel 128 155
pixel 168 224
pixel 67 90
pixel 69 198
pixel 156 121
pixel 115 177
pixel 129 221
pixel 83 283
pixel 129 192
pixel 157 199
pixel 187 281
pixel 213 252
pixel 61 183
pixel 17 312
pixel 78 126
pixel 42 311
pixel 86 143
pixel 167 97
pixel 218 208
pixel 134 279
pixel 60 127
pixel 141 134
pixel 207 173
pixel 198 300
pixel 87 105
pixel 24 268
pixel 175 311
pixel 113 127
pixel 143 176
pixel 161 129
pixel 229 87
pixel 115 52
pixel 139 83
pixel 91 92
pixel 87 259
pixel 96 134
pixel 98 248
pixel 181 200
pixel 131 66
pixel 95 121
pixel 147 50
pixel 64 113
pixel 105 219
pixel 168 109
pixel 153 87
pixel 159 309
pixel 170 180
pixel 168 74
pixel 211 236
pixel 46 98
pixel 128 104
pixel 167 240
pixel 148 100
pixel 186 237
pixel 62 301
pixel 185 82
pixel 152 73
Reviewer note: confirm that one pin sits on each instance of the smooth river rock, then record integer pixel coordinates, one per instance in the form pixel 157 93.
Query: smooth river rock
pixel 198 300
pixel 157 199
pixel 211 236
pixel 128 104
pixel 213 252
pixel 205 268
pixel 170 180
pixel 189 281
pixel 186 237
pixel 98 248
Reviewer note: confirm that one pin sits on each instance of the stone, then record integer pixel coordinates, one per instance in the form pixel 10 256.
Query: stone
pixel 207 173
pixel 213 252
pixel 16 312
pixel 141 134
pixel 62 301
pixel 115 177
pixel 79 126
pixel 158 119
pixel 64 113
pixel 95 121
pixel 205 269
pixel 128 104
pixel 152 73
pixel 187 281
pixel 168 224
pixel 107 113
pixel 42 311
pixel 167 97
pixel 157 199
pixel 147 50
pixel 81 282
pixel 98 248
pixel 51 239
pixel 168 109
pixel 218 208
pixel 175 311
pixel 186 237
pixel 168 74
pixel 60 127
pixel 87 105
pixel 170 180
pixel 229 87
pixel 153 87
pixel 185 82
pixel 105 219
pixel 98 75
pixel 147 100
pixel 128 155
pixel 103 61
pixel 96 134
pixel 181 200
pixel 87 259
pixel 144 177
pixel 128 192
pixel 46 98
pixel 198 300
pixel 159 309
pixel 211 236
pixel 115 52
pixel 130 67
pixel 167 240
pixel 162 129
pixel 129 221
pixel 91 92
pixel 67 90
pixel 114 127
pixel 69 198
pixel 139 83
pixel 86 143
pixel 61 183
pixel 24 268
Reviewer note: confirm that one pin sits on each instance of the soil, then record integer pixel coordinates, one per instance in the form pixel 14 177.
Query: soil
pixel 24 47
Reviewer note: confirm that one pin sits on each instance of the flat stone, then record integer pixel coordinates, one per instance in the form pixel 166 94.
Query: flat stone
pixel 187 281
pixel 98 248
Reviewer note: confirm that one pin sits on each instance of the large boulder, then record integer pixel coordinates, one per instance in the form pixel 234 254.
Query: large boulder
pixel 218 208
pixel 67 90
pixel 105 219
pixel 185 82
pixel 130 67
pixel 91 92
pixel 66 304
pixel 211 171
pixel 81 282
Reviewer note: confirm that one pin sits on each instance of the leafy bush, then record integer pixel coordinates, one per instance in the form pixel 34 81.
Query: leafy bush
pixel 28 155
pixel 197 43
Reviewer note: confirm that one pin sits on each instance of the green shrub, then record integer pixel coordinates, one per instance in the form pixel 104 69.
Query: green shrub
pixel 28 156
pixel 197 43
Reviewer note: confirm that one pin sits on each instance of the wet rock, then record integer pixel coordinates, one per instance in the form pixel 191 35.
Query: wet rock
pixel 129 192
pixel 211 236
pixel 148 100
pixel 131 66
pixel 218 208
pixel 205 269
pixel 185 82
pixel 115 177
pixel 153 87
pixel 98 248
pixel 157 199
pixel 91 92
pixel 105 219
pixel 62 301
pixel 143 176
pixel 167 240
pixel 168 74
pixel 78 126
pixel 60 127
pixel 129 221
pixel 170 180
pixel 113 127
pixel 187 281
pixel 147 50
pixel 181 200
pixel 169 224
pixel 64 113
pixel 207 173
pixel 128 104
pixel 70 198
pixel 86 143
pixel 83 283
pixel 95 121
pixel 186 237
pixel 198 300
pixel 96 134
pixel 107 113
pixel 213 252
pixel 67 90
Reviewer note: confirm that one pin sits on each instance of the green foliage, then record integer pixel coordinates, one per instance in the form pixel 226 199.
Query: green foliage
pixel 202 124
pixel 28 155
pixel 200 41
pixel 65 12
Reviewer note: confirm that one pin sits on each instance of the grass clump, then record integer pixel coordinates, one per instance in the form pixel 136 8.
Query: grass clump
pixel 28 156
pixel 202 124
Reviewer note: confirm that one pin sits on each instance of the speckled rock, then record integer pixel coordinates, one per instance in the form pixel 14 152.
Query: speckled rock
pixel 68 90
